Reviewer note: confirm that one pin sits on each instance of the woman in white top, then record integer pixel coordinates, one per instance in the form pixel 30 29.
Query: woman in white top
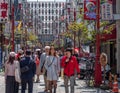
pixel 10 74
pixel 52 66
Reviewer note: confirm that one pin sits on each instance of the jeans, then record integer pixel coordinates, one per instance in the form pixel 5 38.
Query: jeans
pixel 30 85
pixel 72 79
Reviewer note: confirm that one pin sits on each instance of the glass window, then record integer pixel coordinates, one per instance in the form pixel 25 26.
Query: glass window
pixel 42 17
pixel 56 11
pixel 49 5
pixel 56 18
pixel 45 17
pixel 56 31
pixel 46 11
pixel 35 5
pixel 45 5
pixel 52 11
pixel 45 31
pixel 42 11
pixel 60 4
pixel 39 11
pixel 56 5
pixel 52 17
pixel 32 5
pixel 49 17
pixel 39 5
pixel 52 5
pixel 49 11
pixel 42 5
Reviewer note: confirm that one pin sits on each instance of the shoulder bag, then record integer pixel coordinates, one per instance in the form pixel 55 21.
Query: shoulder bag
pixel 17 72
pixel 25 68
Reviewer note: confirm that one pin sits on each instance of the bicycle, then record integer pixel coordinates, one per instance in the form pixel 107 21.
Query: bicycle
pixel 89 74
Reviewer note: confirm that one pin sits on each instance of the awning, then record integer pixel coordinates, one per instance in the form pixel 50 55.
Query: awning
pixel 111 36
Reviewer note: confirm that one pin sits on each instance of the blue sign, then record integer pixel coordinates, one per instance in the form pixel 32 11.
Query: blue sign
pixel 0 57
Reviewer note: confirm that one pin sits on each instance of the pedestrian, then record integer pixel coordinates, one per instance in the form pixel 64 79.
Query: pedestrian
pixel 37 61
pixel 10 74
pixel 28 70
pixel 52 66
pixel 69 65
pixel 42 64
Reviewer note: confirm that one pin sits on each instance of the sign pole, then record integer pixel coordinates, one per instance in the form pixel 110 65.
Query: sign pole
pixel 1 44
pixel 98 76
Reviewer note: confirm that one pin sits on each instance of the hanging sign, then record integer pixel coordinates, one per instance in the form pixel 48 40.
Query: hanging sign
pixel 90 9
pixel 3 11
pixel 107 10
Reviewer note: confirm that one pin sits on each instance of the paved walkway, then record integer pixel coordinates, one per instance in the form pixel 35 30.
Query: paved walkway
pixel 39 87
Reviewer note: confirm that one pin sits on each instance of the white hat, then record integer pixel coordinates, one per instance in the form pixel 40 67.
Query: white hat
pixel 47 47
pixel 38 50
pixel 20 51
pixel 12 54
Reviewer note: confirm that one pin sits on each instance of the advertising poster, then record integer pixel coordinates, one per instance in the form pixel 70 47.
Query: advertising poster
pixel 90 9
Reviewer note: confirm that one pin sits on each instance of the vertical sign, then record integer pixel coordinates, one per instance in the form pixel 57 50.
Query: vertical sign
pixel 107 10
pixel 3 11
pixel 90 9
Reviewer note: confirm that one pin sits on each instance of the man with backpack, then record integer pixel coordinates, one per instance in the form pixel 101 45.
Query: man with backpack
pixel 28 69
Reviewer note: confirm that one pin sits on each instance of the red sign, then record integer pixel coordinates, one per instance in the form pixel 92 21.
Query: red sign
pixel 3 10
pixel 90 9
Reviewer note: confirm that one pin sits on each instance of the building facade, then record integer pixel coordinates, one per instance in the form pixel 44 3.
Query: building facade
pixel 45 19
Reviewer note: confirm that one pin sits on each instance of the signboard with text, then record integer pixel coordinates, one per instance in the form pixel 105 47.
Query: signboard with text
pixel 3 11
pixel 107 10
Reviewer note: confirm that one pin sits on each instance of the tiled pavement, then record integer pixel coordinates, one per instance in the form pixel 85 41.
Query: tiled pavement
pixel 39 87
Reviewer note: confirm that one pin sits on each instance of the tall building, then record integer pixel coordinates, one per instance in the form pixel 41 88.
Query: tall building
pixel 45 18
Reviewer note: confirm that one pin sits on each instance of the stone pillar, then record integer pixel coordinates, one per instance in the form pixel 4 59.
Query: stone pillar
pixel 118 36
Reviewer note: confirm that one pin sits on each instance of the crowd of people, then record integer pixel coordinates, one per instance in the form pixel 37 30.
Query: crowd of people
pixel 25 67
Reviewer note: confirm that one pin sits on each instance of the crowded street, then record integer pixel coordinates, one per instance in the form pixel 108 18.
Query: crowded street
pixel 59 46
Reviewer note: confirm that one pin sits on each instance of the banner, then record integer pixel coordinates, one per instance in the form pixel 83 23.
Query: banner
pixel 90 9
pixel 107 10
pixel 3 11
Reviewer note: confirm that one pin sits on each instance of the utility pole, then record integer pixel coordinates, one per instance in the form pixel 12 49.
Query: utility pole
pixel 12 21
pixel 98 77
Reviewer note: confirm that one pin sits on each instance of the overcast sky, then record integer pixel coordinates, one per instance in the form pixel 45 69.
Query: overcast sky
pixel 45 0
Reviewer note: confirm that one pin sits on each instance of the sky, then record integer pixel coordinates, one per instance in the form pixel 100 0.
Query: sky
pixel 46 0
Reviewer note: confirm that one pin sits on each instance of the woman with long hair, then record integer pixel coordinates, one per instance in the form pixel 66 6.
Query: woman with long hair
pixel 10 74
pixel 52 65
pixel 37 61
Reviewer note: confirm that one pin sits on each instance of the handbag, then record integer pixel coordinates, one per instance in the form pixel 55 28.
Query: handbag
pixel 17 72
pixel 37 61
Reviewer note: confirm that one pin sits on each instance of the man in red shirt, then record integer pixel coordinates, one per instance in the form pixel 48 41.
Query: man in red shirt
pixel 69 64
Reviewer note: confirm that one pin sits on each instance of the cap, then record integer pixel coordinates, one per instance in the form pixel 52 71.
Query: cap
pixel 20 51
pixel 12 54
pixel 47 47
pixel 38 50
